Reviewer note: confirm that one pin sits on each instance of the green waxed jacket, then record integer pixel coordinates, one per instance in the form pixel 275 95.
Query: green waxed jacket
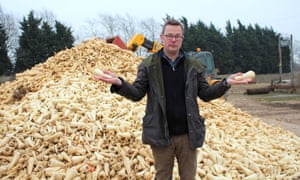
pixel 149 81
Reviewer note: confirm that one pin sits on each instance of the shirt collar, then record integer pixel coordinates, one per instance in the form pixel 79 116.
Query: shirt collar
pixel 178 59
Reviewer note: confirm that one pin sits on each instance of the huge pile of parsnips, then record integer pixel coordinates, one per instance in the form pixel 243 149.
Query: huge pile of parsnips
pixel 57 122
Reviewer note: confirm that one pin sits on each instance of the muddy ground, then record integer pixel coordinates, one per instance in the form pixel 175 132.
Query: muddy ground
pixel 276 108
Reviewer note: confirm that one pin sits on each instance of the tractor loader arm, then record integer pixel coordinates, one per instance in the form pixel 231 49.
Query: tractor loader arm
pixel 139 40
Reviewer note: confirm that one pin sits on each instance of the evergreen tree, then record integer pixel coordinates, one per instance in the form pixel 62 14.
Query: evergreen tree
pixel 253 48
pixel 229 30
pixel 48 38
pixel 221 49
pixel 267 50
pixel 286 60
pixel 5 63
pixel 241 48
pixel 63 37
pixel 29 54
pixel 208 39
pixel 40 41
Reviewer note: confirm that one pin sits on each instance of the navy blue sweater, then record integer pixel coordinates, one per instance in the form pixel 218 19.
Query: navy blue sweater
pixel 174 85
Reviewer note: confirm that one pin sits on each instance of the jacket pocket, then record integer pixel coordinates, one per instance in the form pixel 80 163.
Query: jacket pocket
pixel 199 132
pixel 147 120
pixel 202 129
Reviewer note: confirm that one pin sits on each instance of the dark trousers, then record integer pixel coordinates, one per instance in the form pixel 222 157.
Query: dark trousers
pixel 181 150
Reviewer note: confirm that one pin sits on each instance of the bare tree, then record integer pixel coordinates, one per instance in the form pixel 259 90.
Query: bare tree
pixel 103 26
pixel 123 25
pixel 12 32
pixel 150 28
pixel 93 28
pixel 127 26
pixel 110 24
pixel 47 16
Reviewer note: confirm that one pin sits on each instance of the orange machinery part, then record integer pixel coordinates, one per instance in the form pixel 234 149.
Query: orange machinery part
pixel 117 41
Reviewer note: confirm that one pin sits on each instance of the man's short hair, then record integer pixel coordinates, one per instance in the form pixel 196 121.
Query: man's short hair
pixel 172 22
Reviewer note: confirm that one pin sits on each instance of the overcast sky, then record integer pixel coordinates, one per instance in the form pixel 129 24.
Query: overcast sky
pixel 282 16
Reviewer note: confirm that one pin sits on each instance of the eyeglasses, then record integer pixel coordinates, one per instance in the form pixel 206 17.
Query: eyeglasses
pixel 171 37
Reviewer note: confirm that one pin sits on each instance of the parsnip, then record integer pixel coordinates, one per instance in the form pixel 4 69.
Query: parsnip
pixel 72 128
pixel 248 75
pixel 99 72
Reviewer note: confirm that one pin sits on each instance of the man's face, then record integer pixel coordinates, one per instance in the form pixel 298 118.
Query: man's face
pixel 172 38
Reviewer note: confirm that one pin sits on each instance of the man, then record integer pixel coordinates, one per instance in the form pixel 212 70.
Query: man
pixel 172 125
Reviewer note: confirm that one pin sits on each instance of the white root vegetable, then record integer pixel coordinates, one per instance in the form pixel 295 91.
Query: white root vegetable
pixel 4 141
pixel 106 169
pixel 69 127
pixel 56 163
pixel 71 173
pixel 99 72
pixel 30 165
pixel 50 171
pixel 248 75
pixel 77 159
pixel 14 159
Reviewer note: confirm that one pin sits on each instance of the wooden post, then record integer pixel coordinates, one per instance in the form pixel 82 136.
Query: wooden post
pixel 280 58
pixel 292 59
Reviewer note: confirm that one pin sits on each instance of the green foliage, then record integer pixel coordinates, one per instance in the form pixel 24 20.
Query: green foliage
pixel 39 41
pixel 208 39
pixel 5 63
pixel 241 48
pixel 254 48
pixel 63 36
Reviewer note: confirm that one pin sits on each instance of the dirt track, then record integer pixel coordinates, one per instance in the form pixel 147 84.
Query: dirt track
pixel 285 114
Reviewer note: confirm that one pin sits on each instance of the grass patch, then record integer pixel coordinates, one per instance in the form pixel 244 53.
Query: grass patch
pixel 277 96
pixel 267 78
pixel 264 81
pixel 6 78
